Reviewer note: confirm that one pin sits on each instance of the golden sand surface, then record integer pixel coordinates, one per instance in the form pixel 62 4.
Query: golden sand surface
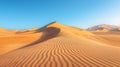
pixel 57 45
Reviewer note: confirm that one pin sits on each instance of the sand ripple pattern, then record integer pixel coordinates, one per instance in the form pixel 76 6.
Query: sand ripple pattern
pixel 62 52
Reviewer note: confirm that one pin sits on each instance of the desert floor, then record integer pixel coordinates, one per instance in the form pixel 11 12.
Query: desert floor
pixel 57 45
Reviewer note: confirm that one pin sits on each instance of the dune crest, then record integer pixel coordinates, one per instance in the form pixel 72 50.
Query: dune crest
pixel 57 45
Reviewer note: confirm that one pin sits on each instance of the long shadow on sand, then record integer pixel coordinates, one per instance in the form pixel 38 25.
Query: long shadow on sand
pixel 48 33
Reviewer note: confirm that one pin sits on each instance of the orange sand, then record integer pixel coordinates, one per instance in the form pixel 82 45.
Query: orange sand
pixel 112 38
pixel 56 45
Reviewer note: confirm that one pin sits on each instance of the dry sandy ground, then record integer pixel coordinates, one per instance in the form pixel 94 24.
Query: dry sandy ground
pixel 8 43
pixel 112 38
pixel 56 45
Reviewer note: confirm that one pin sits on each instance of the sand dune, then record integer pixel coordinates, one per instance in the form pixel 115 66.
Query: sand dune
pixel 11 42
pixel 57 45
pixel 104 28
pixel 112 38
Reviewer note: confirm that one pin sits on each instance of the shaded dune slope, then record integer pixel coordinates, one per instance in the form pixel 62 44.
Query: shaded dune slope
pixel 48 33
pixel 63 46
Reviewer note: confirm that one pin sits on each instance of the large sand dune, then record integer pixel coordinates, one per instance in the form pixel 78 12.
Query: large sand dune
pixel 56 45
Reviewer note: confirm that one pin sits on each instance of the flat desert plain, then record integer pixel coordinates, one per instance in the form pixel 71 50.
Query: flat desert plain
pixel 57 45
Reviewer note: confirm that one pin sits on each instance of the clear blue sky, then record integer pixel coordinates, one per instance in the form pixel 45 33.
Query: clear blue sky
pixel 24 14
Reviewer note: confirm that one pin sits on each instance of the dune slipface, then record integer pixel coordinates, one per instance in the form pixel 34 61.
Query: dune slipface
pixel 63 46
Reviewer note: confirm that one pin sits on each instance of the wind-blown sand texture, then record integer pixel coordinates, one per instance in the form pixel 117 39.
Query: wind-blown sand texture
pixel 112 38
pixel 56 45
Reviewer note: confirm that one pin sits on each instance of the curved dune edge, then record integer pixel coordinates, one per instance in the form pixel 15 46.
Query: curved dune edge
pixel 62 46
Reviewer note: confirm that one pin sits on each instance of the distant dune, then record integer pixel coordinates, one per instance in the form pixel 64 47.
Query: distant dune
pixel 104 28
pixel 57 45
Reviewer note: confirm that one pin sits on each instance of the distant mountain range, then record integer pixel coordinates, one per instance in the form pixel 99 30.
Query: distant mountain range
pixel 104 27
pixel 100 28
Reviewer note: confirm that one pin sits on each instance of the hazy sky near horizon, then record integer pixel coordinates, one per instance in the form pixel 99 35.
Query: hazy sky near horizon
pixel 23 14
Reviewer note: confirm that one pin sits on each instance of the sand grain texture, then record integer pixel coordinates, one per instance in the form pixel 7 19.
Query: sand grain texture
pixel 63 46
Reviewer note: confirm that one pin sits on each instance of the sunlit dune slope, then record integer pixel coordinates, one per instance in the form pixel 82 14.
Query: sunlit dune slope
pixel 63 46
pixel 112 38
pixel 13 39
pixel 4 32
pixel 11 42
